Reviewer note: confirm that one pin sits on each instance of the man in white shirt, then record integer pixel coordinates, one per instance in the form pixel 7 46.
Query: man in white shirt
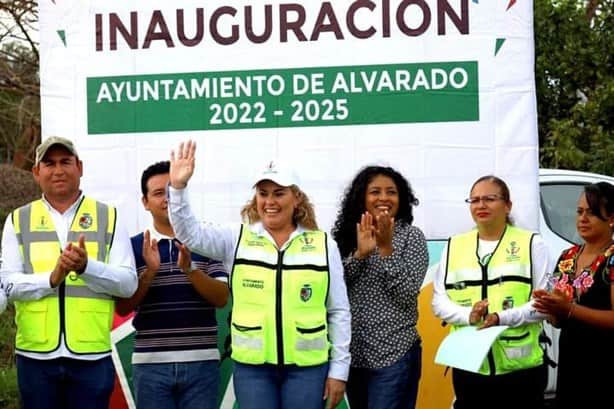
pixel 65 258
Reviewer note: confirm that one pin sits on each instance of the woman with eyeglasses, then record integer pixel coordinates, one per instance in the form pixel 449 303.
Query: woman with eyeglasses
pixel 581 303
pixel 485 278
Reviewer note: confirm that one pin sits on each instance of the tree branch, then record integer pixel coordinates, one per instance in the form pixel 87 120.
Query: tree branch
pixel 591 8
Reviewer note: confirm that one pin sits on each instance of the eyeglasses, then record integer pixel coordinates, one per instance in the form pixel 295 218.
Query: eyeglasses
pixel 488 199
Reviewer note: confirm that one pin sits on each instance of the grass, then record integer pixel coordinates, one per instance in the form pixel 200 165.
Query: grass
pixel 9 394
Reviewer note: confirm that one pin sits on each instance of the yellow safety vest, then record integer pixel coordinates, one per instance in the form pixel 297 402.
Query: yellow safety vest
pixel 82 315
pixel 506 281
pixel 279 300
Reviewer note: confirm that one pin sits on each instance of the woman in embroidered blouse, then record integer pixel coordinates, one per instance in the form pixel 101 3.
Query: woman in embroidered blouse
pixel 385 261
pixel 485 278
pixel 581 303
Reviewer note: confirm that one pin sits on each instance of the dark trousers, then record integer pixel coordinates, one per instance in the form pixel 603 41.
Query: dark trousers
pixel 65 383
pixel 520 389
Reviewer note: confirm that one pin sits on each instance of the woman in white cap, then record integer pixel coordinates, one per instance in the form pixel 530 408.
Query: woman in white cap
pixel 290 325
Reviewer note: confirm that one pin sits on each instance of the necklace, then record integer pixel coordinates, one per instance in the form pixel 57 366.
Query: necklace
pixel 591 256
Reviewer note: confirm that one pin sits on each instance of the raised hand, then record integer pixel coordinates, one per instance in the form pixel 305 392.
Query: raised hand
pixel 151 254
pixel 182 164
pixel 365 236
pixel 384 229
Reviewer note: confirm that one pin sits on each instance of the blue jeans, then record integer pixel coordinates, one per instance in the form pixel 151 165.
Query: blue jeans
pixel 65 383
pixel 391 387
pixel 284 387
pixel 181 385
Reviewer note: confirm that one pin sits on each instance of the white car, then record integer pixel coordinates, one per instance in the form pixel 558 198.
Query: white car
pixel 559 191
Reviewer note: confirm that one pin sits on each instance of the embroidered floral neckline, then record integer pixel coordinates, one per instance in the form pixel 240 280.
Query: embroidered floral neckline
pixel 575 286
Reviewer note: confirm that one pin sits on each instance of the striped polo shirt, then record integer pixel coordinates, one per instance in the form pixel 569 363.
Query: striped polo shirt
pixel 173 322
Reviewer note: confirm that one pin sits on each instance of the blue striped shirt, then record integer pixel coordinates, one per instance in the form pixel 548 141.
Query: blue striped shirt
pixel 173 322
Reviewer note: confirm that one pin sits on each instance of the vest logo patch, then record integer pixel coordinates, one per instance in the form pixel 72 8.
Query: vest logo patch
pixel 257 284
pixel 85 221
pixel 307 243
pixel 255 243
pixel 507 303
pixel 42 224
pixel 512 252
pixel 306 292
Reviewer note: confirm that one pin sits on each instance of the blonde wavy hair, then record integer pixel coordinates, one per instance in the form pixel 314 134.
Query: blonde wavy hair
pixel 304 213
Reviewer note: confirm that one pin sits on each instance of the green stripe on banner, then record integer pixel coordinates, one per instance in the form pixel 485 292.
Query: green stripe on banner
pixel 354 95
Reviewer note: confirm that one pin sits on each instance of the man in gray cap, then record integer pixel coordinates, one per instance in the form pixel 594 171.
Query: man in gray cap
pixel 65 258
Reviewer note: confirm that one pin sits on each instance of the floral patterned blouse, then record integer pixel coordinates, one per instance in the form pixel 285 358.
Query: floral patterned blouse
pixel 585 351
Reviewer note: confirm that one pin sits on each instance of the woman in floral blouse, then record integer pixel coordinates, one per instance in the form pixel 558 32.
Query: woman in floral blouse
pixel 581 303
pixel 385 261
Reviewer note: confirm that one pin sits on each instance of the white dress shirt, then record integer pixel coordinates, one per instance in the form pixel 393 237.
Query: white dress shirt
pixel 220 241
pixel 116 278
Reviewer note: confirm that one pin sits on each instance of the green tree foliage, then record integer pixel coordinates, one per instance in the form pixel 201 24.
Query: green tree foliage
pixel 19 82
pixel 18 187
pixel 574 47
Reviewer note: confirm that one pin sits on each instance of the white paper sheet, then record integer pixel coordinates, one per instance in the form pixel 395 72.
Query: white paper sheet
pixel 467 347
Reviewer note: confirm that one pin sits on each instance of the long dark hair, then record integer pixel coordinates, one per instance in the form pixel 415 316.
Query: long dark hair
pixel 353 205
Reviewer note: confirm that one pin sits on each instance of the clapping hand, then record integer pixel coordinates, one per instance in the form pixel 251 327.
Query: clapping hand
pixel 365 236
pixel 184 259
pixel 478 312
pixel 73 258
pixel 383 233
pixel 553 303
pixel 151 253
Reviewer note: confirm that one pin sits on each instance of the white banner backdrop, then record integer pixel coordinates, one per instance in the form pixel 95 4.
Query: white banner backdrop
pixel 441 90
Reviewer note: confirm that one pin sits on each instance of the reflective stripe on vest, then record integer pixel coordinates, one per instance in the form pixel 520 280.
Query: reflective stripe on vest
pixel 87 314
pixel 506 281
pixel 268 284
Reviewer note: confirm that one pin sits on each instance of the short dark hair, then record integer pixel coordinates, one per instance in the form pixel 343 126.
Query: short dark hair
pixel 600 197
pixel 353 205
pixel 158 168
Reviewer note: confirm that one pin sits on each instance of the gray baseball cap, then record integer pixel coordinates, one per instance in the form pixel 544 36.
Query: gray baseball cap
pixel 42 149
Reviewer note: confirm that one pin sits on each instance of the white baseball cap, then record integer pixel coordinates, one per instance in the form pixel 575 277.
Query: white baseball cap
pixel 277 172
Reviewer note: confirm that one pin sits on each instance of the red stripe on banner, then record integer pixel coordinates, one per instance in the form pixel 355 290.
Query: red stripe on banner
pixel 119 320
pixel 118 400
